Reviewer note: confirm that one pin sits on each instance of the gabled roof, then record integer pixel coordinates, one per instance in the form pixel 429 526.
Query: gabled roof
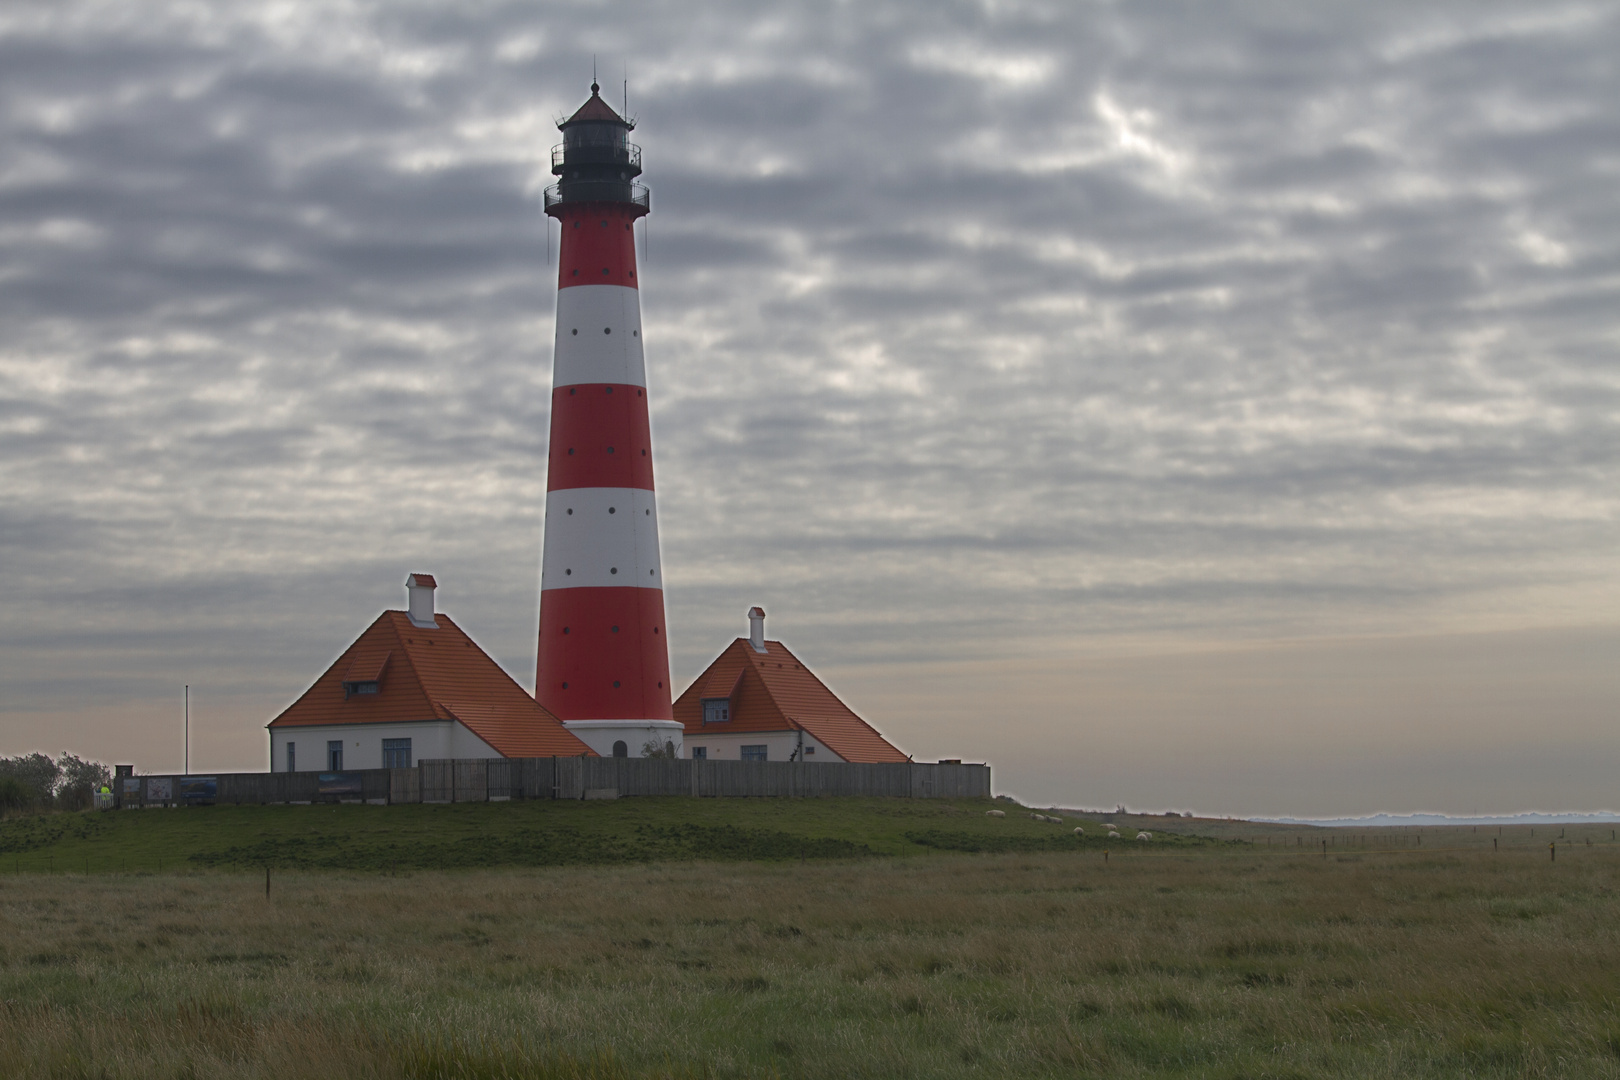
pixel 774 691
pixel 431 675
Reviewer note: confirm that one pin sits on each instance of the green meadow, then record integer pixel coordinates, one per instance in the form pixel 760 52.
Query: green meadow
pixel 795 938
pixel 540 833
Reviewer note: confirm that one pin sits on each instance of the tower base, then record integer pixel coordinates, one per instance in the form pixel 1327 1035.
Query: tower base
pixel 602 735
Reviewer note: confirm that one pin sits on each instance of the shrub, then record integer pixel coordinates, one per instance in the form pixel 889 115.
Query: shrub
pixel 33 780
pixel 16 795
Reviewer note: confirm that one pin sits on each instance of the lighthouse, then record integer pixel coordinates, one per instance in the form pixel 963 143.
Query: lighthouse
pixel 603 661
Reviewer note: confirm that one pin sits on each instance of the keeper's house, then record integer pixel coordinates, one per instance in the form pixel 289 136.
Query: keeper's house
pixel 758 702
pixel 413 686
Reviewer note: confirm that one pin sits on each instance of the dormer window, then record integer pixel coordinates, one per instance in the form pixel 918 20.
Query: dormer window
pixel 716 710
pixel 365 675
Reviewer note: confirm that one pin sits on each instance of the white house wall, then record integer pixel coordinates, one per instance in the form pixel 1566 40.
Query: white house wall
pixel 779 745
pixel 362 743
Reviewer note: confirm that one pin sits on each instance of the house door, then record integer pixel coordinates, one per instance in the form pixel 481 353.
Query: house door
pixel 334 756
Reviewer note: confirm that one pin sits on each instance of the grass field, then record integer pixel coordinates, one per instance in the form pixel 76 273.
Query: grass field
pixel 540 833
pixel 687 938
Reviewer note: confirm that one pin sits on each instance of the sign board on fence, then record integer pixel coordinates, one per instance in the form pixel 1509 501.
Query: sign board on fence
pixel 199 788
pixel 338 783
pixel 132 787
pixel 160 789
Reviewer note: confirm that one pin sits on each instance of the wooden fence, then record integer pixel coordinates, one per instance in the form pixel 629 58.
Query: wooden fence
pixel 499 779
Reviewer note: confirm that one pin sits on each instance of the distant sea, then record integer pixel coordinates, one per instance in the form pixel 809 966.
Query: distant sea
pixel 1443 819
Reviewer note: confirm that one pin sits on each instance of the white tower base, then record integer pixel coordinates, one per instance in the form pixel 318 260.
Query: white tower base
pixel 600 735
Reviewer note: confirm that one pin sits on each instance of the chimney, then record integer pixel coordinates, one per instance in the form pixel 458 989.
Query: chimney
pixel 420 587
pixel 756 628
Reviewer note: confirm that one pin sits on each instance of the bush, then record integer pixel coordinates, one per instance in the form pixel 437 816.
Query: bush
pixel 34 780
pixel 16 795
pixel 79 782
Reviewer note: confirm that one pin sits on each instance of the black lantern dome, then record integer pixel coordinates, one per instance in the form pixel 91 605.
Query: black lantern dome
pixel 596 162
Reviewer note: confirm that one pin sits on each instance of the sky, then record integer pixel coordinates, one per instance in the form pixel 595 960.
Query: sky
pixel 1197 406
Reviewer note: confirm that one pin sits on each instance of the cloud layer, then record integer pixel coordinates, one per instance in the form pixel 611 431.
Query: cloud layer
pixel 973 330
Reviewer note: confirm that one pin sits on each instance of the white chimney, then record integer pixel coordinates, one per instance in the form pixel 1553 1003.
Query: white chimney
pixel 756 628
pixel 420 587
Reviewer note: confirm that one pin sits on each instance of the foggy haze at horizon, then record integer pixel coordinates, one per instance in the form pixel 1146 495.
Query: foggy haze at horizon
pixel 1206 407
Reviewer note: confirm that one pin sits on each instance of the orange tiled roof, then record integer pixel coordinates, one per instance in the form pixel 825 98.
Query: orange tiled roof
pixel 431 675
pixel 368 666
pixel 774 691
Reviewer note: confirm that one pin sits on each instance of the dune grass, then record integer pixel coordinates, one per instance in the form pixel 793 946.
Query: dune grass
pixel 1196 961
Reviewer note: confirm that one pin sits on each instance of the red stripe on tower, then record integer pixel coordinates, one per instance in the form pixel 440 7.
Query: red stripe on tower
pixel 603 665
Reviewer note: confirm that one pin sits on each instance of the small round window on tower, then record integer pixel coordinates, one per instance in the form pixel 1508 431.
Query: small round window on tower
pixel 607 329
pixel 570 511
pixel 576 331
pixel 613 570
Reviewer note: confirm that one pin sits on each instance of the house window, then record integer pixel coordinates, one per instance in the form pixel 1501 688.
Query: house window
pixel 620 749
pixel 292 758
pixel 334 755
pixel 809 750
pixel 754 753
pixel 700 753
pixel 716 710
pixel 350 689
pixel 396 753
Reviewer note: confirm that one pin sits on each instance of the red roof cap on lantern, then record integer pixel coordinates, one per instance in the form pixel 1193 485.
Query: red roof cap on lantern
pixel 596 111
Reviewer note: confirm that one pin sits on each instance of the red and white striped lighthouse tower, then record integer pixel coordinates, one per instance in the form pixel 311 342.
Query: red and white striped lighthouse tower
pixel 603 665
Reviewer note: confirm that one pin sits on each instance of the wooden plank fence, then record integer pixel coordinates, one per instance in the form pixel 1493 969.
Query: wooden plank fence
pixel 499 779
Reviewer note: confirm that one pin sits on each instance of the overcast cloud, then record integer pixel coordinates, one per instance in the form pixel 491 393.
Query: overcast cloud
pixel 977 334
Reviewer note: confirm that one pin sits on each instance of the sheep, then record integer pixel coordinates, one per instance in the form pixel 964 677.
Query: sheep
pixel 995 813
pixel 1113 835
pixel 1144 836
pixel 1079 831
